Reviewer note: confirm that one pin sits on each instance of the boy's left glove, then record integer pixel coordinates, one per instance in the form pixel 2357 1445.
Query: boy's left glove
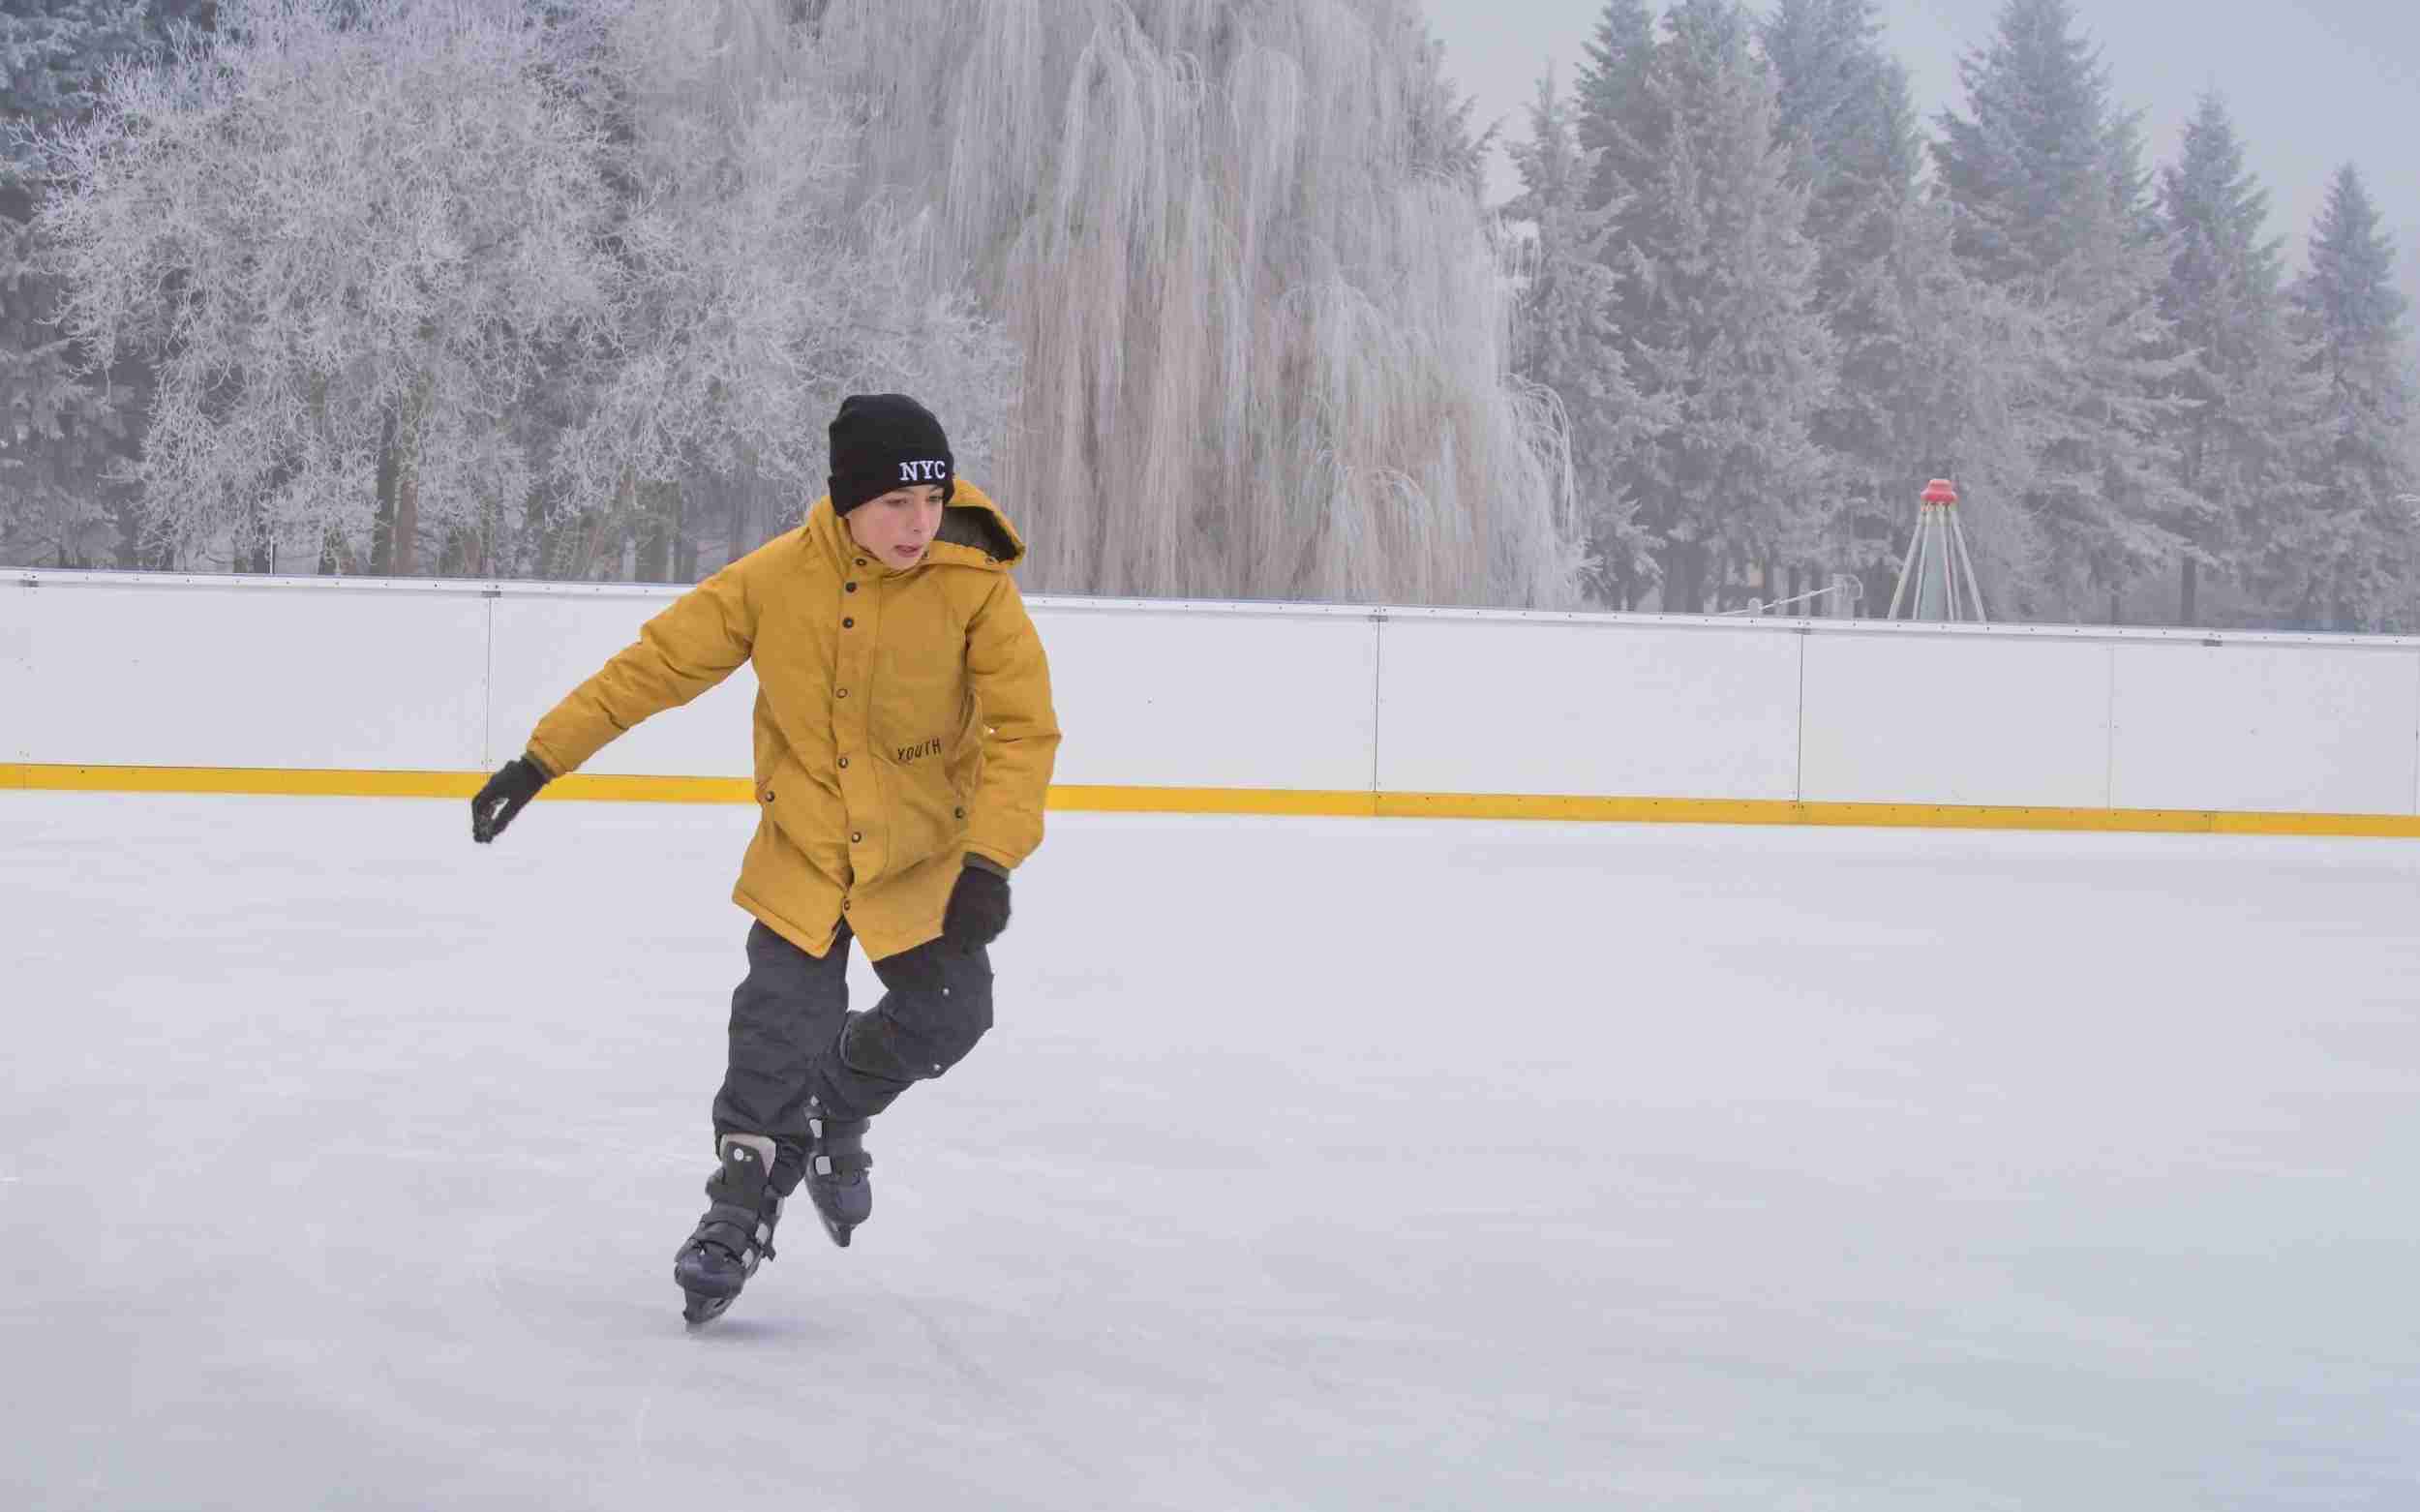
pixel 979 906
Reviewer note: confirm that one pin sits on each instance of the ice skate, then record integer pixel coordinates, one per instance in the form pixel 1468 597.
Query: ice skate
pixel 736 1233
pixel 837 1179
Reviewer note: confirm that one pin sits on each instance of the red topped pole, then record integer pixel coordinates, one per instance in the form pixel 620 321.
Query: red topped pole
pixel 1937 576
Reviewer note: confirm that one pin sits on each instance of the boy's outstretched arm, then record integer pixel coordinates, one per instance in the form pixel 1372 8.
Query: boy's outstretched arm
pixel 696 643
pixel 1011 678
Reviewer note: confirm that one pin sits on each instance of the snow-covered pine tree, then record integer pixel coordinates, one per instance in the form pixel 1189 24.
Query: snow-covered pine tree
pixel 1619 121
pixel 1933 364
pixel 1723 326
pixel 2030 164
pixel 1845 110
pixel 2347 559
pixel 1565 341
pixel 1847 114
pixel 2244 448
pixel 2046 179
pixel 1981 366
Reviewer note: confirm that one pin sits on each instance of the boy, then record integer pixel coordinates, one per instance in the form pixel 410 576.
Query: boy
pixel 904 743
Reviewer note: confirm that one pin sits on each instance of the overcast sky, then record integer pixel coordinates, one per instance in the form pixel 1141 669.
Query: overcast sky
pixel 2311 84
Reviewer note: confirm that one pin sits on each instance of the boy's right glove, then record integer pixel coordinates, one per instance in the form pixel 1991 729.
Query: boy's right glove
pixel 507 794
pixel 979 906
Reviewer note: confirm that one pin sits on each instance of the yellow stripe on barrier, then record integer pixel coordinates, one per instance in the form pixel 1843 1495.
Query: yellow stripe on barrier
pixel 1722 811
pixel 1277 801
pixel 1304 802
pixel 271 783
pixel 240 780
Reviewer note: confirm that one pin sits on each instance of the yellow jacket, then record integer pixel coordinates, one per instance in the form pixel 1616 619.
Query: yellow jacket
pixel 903 719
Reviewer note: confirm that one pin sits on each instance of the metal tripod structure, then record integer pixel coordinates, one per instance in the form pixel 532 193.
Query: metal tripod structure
pixel 1937 576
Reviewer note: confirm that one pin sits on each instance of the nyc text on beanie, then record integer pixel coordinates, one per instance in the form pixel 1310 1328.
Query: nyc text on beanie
pixel 882 441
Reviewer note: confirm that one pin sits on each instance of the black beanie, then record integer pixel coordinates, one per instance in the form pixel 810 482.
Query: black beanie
pixel 882 441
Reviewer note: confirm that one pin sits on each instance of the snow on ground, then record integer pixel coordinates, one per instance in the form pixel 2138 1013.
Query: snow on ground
pixel 1318 1165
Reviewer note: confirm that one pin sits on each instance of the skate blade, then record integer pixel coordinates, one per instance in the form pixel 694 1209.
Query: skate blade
pixel 703 1309
pixel 838 1232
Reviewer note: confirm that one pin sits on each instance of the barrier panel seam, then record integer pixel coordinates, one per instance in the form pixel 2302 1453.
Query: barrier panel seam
pixel 1377 692
pixel 1798 773
pixel 487 694
pixel 2109 732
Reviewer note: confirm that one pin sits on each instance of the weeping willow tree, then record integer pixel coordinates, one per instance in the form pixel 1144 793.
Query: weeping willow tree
pixel 1264 324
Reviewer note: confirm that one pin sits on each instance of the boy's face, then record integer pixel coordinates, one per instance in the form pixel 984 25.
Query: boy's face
pixel 899 526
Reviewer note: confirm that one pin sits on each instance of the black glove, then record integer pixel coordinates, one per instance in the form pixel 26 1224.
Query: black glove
pixel 979 907
pixel 505 795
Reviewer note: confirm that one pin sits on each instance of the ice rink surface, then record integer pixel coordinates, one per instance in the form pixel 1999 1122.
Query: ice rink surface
pixel 1312 1164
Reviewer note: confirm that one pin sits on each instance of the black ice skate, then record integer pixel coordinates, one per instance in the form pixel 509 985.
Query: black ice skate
pixel 836 1181
pixel 736 1233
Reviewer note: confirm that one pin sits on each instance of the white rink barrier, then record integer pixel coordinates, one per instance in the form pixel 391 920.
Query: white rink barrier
pixel 1184 705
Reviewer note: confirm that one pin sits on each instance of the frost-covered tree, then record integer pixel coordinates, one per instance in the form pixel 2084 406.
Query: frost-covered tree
pixel 1724 326
pixel 350 233
pixel 1567 343
pixel 1847 113
pixel 1848 116
pixel 2347 559
pixel 1620 122
pixel 1986 367
pixel 2032 164
pixel 2046 178
pixel 1265 331
pixel 2243 447
pixel 755 293
pixel 1934 365
pixel 60 433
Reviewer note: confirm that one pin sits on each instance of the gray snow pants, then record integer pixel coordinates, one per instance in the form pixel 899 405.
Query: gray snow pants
pixel 798 1052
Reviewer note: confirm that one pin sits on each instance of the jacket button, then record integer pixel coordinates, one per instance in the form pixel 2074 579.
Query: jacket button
pixel 841 693
pixel 769 795
pixel 844 766
pixel 861 561
pixel 961 813
pixel 851 587
pixel 848 625
pixel 856 838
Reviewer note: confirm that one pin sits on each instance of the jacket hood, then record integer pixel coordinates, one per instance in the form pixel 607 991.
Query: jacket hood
pixel 973 534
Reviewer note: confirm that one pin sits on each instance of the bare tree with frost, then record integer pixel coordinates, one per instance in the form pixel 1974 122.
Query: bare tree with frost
pixel 60 430
pixel 350 233
pixel 755 294
pixel 1238 242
